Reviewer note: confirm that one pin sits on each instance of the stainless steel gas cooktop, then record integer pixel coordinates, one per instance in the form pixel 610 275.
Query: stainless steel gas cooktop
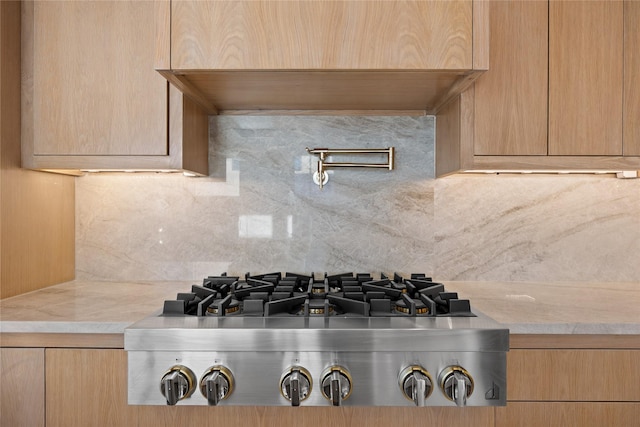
pixel 293 339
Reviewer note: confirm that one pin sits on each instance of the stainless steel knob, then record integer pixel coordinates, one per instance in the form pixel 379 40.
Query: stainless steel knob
pixel 296 385
pixel 177 383
pixel 216 384
pixel 456 384
pixel 336 384
pixel 416 384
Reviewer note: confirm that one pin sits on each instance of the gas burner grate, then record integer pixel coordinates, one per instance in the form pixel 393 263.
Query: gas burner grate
pixel 292 294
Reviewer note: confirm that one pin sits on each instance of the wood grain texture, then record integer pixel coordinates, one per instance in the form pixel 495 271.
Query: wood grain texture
pixel 314 416
pixel 95 91
pixel 467 129
pixel 454 135
pixel 61 340
pixel 162 20
pixel 631 118
pixel 447 155
pixel 536 414
pixel 511 98
pixel 481 35
pixel 573 375
pixel 314 35
pixel 322 90
pixel 194 127
pixel 574 341
pixel 22 387
pixel 460 85
pixel 37 229
pixel 575 163
pixel 181 82
pixel 87 387
pixel 38 236
pixel 585 77
pixel 142 126
pixel 346 55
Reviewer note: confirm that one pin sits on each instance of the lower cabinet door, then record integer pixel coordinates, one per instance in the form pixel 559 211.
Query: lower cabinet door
pixel 87 387
pixel 579 375
pixel 591 414
pixel 22 387
pixel 271 416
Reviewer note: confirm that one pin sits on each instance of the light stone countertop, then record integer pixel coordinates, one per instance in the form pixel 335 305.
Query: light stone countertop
pixel 525 308
pixel 86 306
pixel 558 307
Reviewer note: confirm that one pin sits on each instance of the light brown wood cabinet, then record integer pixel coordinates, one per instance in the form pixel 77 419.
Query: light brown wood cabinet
pixel 22 387
pixel 572 381
pixel 579 375
pixel 92 98
pixel 322 55
pixel 573 106
pixel 87 387
pixel 37 218
pixel 272 35
pixel 631 118
pixel 316 416
pixel 592 414
pixel 585 77
pixel 511 99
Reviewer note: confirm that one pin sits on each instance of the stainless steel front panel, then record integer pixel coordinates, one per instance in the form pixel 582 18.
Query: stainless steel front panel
pixel 258 350
pixel 375 375
pixel 317 334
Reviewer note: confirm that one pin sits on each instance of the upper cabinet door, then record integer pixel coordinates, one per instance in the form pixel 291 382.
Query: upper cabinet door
pixel 631 119
pixel 585 77
pixel 94 87
pixel 511 98
pixel 315 35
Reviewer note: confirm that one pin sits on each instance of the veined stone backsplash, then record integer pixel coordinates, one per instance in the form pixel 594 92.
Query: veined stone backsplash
pixel 259 211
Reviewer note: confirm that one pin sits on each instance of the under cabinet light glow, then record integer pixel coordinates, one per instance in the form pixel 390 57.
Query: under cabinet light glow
pixel 552 172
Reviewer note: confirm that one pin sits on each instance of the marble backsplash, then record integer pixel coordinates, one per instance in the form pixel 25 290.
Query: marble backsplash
pixel 259 211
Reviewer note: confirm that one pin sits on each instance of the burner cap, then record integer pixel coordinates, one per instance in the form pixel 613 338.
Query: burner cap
pixel 318 290
pixel 401 307
pixel 317 306
pixel 233 307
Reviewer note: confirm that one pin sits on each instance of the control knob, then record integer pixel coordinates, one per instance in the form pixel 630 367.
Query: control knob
pixel 415 383
pixel 456 384
pixel 177 383
pixel 296 385
pixel 216 384
pixel 336 384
